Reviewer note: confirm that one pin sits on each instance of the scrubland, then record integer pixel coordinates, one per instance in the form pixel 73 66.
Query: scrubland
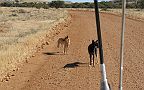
pixel 23 32
pixel 137 14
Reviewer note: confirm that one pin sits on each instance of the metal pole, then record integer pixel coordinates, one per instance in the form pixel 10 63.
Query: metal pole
pixel 122 43
pixel 104 83
pixel 99 31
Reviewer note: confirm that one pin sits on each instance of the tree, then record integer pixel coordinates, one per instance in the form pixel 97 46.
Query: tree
pixel 105 4
pixel 68 6
pixel 141 4
pixel 57 4
pixel 75 5
pixel 17 1
pixel 6 4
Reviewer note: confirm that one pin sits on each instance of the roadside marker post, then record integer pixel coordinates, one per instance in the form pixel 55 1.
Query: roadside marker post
pixel 122 43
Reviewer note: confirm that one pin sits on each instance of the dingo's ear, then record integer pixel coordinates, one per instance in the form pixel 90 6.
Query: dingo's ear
pixel 66 36
pixel 92 41
pixel 96 41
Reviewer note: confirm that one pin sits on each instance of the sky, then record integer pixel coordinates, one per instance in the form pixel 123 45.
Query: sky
pixel 85 0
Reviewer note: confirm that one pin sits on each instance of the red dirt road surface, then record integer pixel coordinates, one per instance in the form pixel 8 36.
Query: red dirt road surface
pixel 46 70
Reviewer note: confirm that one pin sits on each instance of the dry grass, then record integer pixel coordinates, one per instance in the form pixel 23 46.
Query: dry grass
pixel 130 13
pixel 22 31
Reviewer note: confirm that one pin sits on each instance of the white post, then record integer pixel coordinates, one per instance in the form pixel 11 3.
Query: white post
pixel 104 83
pixel 122 43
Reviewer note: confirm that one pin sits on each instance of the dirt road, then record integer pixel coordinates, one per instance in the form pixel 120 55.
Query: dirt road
pixel 46 70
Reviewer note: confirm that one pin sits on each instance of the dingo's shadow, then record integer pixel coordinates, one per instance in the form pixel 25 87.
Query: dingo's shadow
pixel 53 53
pixel 73 65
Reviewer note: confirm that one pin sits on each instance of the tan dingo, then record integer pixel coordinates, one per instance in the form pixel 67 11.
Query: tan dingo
pixel 65 42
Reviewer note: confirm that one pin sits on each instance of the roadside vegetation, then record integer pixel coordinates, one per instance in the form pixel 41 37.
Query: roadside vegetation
pixel 23 31
pixel 139 4
pixel 135 14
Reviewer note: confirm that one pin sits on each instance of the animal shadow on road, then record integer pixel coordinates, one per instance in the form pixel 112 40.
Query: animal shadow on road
pixel 53 53
pixel 74 65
